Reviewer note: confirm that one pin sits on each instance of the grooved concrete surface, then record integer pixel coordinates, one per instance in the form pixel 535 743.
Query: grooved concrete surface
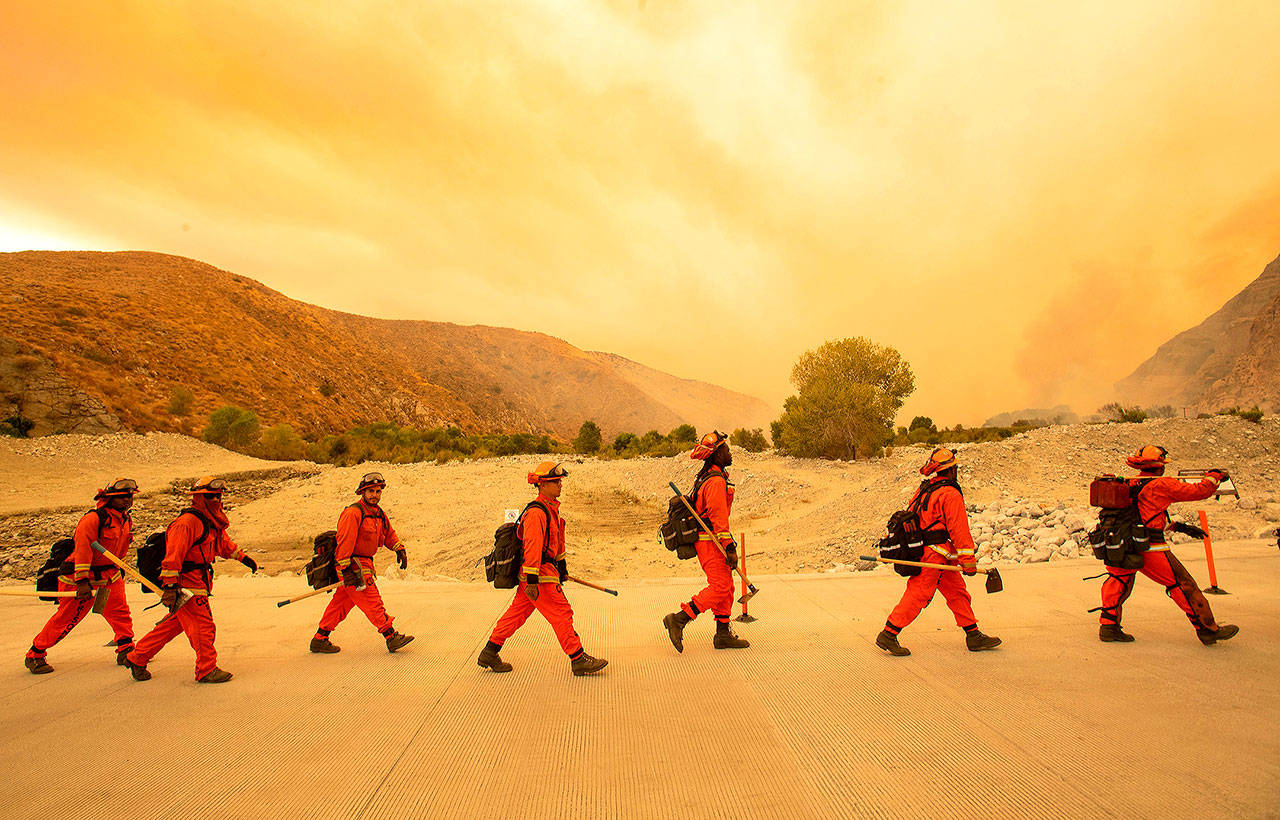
pixel 811 721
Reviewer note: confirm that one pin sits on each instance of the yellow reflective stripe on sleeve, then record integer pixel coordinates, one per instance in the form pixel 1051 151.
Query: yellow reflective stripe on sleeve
pixel 942 552
pixel 530 570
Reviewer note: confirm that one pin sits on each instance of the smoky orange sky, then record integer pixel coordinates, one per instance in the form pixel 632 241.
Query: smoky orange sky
pixel 1024 199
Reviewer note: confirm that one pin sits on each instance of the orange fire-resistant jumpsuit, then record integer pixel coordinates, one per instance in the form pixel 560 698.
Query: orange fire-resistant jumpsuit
pixel 188 562
pixel 543 542
pixel 713 502
pixel 362 529
pixel 114 531
pixel 1158 562
pixel 946 507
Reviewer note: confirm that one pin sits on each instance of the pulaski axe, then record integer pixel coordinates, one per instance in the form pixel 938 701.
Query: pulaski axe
pixel 751 588
pixel 135 575
pixel 994 582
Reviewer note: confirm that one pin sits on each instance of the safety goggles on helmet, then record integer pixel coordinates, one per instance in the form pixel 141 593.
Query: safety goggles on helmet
pixel 121 486
pixel 1148 457
pixel 547 471
pixel 209 486
pixel 940 459
pixel 710 442
pixel 371 480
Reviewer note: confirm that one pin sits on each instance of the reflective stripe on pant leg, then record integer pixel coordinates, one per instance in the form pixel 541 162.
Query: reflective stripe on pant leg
pixel 336 610
pixel 151 643
pixel 70 611
pixel 1116 589
pixel 555 608
pixel 514 617
pixel 717 595
pixel 117 614
pixel 918 594
pixel 196 619
pixel 369 600
pixel 956 593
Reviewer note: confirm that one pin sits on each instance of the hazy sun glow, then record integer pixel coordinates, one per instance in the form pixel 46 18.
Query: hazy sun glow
pixel 1025 199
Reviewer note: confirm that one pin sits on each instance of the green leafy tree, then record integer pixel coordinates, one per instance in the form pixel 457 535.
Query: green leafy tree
pixel 753 441
pixel 848 393
pixel 588 439
pixel 920 422
pixel 233 427
pixel 625 440
pixel 684 434
pixel 282 443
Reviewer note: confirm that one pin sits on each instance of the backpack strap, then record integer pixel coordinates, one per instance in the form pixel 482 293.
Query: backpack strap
pixel 927 489
pixel 205 524
pixel 546 532
pixel 1135 489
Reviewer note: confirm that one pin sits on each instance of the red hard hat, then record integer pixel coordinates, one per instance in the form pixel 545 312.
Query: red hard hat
pixel 1148 457
pixel 708 445
pixel 939 459
pixel 208 485
pixel 371 480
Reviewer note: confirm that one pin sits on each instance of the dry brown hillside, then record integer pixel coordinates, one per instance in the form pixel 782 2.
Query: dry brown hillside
pixel 93 342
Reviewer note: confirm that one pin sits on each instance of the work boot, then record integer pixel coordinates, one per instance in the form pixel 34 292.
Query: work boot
pixel 38 666
pixel 1207 637
pixel 675 623
pixel 122 659
pixel 139 671
pixel 888 641
pixel 216 676
pixel 323 646
pixel 584 664
pixel 398 640
pixel 977 642
pixel 725 639
pixel 1109 633
pixel 489 658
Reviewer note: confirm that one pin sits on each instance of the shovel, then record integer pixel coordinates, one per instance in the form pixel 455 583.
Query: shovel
pixel 994 582
pixel 751 588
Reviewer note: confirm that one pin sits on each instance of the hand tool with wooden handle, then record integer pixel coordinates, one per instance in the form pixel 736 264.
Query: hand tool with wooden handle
pixel 612 592
pixel 137 576
pixel 305 595
pixel 994 582
pixel 751 588
pixel 35 593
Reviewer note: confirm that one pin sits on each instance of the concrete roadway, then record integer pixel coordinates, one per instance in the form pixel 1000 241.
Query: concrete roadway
pixel 811 721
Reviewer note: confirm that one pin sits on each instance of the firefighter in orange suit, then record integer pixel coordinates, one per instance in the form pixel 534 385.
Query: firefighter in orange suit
pixel 111 525
pixel 192 541
pixel 712 500
pixel 1155 492
pixel 363 528
pixel 942 508
pixel 541 531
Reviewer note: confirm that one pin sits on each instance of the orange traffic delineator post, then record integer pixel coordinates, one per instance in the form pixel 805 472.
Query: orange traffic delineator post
pixel 1213 588
pixel 742 574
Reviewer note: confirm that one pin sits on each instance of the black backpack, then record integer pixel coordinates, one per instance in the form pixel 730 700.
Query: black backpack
pixel 322 570
pixel 151 553
pixel 58 562
pixel 907 539
pixel 680 532
pixel 502 564
pixel 1121 536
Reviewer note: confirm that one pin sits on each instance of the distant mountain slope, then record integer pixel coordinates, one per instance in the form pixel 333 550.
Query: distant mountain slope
pixel 122 330
pixel 1219 363
pixel 1062 414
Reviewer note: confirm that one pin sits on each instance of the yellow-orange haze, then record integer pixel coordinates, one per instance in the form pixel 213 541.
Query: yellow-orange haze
pixel 1023 198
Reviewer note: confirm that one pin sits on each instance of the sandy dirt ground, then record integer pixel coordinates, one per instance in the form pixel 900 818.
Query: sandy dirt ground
pixel 799 515
pixel 811 721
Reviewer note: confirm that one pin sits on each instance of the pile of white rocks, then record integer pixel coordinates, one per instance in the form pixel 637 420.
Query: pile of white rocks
pixel 1021 531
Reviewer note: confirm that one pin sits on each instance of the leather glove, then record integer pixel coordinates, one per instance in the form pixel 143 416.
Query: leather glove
pixel 250 563
pixel 531 587
pixel 169 597
pixel 731 555
pixel 352 576
pixel 969 569
pixel 562 568
pixel 84 589
pixel 1218 475
pixel 1189 529
pixel 403 558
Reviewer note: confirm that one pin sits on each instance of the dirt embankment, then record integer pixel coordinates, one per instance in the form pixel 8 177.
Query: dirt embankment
pixel 1027 496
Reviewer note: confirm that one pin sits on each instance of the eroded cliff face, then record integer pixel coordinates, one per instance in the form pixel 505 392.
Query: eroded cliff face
pixel 1222 362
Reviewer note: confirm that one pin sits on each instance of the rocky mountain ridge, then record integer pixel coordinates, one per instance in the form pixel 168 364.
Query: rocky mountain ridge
pixel 95 342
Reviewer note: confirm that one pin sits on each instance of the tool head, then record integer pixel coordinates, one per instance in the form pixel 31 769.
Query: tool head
pixel 99 600
pixel 749 594
pixel 994 582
